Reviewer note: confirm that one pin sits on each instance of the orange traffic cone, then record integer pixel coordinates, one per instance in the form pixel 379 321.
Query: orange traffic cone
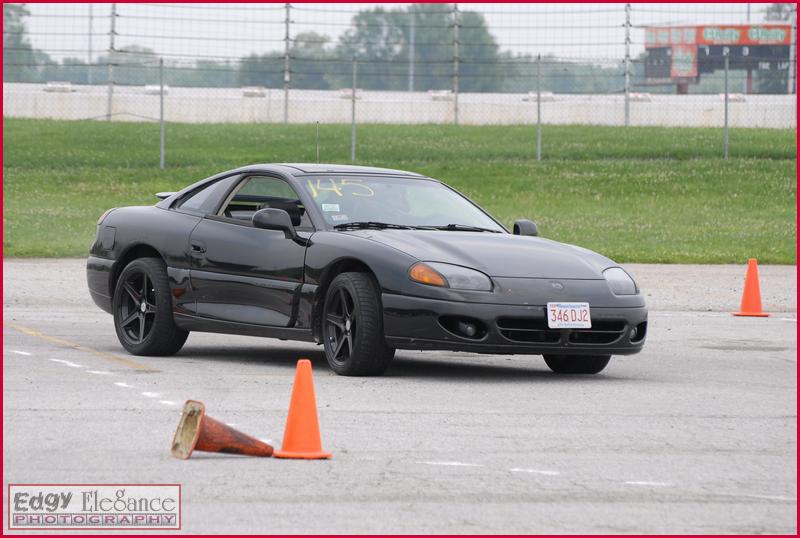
pixel 198 431
pixel 301 439
pixel 751 298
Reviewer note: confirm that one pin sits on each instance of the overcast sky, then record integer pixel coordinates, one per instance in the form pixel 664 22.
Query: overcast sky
pixel 229 31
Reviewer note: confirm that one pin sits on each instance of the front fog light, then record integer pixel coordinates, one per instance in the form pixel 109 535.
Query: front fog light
pixel 467 328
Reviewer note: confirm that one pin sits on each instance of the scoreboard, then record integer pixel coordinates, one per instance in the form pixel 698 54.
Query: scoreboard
pixel 680 54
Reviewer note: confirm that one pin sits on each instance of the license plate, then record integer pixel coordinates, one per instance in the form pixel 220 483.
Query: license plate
pixel 568 316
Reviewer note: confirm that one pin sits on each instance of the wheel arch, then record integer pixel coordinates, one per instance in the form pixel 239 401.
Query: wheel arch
pixel 342 265
pixel 133 252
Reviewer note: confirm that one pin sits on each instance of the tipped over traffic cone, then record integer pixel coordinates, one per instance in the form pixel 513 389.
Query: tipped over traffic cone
pixel 751 298
pixel 198 431
pixel 301 439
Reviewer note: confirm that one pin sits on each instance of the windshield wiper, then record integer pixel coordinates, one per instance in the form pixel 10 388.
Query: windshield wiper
pixel 361 225
pixel 464 228
pixel 374 225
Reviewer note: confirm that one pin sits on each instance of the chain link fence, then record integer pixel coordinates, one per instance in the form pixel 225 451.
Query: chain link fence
pixel 688 65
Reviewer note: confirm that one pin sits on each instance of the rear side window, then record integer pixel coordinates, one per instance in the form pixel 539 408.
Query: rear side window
pixel 208 199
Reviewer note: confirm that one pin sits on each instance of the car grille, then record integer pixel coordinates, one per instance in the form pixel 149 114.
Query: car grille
pixel 535 330
pixel 528 330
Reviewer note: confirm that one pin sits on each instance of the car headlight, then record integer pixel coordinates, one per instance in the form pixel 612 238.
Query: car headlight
pixel 104 215
pixel 620 282
pixel 445 275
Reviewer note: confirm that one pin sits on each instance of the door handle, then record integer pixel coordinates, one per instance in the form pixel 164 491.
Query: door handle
pixel 198 248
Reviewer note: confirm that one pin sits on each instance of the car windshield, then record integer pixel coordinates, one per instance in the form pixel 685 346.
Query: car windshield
pixel 398 202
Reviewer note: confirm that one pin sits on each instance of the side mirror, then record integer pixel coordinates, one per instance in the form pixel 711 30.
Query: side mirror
pixel 525 227
pixel 276 219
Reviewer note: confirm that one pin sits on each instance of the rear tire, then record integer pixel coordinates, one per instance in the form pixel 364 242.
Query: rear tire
pixel 577 364
pixel 352 327
pixel 142 307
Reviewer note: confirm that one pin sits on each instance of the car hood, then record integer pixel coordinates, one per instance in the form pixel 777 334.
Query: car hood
pixel 497 255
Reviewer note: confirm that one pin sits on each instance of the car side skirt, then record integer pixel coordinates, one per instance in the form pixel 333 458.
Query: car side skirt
pixel 197 323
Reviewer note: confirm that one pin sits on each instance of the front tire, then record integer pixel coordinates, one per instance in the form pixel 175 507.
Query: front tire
pixel 352 327
pixel 142 309
pixel 577 364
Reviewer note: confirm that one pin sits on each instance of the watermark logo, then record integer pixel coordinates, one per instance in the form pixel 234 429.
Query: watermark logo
pixel 94 506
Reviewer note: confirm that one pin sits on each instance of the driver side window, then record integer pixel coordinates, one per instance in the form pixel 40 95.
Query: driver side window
pixel 261 192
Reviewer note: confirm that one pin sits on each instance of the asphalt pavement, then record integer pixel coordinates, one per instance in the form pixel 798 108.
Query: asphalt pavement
pixel 698 433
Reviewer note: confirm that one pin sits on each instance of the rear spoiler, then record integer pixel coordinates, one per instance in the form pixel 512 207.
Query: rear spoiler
pixel 164 195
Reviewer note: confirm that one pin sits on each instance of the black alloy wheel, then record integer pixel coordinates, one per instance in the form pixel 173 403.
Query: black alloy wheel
pixel 352 326
pixel 142 308
pixel 341 321
pixel 137 308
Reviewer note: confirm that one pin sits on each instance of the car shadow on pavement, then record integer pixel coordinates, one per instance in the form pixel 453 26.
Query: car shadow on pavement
pixel 281 357
pixel 427 366
pixel 523 370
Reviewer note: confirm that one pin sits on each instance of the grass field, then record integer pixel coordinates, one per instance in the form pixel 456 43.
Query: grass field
pixel 635 194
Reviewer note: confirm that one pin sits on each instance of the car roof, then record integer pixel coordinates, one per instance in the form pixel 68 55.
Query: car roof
pixel 321 168
pixel 291 170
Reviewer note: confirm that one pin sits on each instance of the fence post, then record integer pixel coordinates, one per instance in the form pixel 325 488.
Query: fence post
pixel 162 132
pixel 627 65
pixel 111 35
pixel 792 74
pixel 726 53
pixel 455 63
pixel 91 27
pixel 539 107
pixel 353 113
pixel 412 30
pixel 286 72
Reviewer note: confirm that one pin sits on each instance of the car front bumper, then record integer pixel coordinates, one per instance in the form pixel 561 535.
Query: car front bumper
pixel 422 323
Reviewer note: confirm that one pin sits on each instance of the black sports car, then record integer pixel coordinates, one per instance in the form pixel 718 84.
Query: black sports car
pixel 361 260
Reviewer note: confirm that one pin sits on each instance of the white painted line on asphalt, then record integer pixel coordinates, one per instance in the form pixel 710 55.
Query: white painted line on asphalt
pixel 788 319
pixel 21 352
pixel 646 483
pixel 772 497
pixel 534 471
pixel 151 395
pixel 451 463
pixel 168 402
pixel 97 372
pixel 68 363
pixel 74 345
pixel 123 385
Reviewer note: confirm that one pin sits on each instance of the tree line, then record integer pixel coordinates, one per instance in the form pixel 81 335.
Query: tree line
pixel 386 43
